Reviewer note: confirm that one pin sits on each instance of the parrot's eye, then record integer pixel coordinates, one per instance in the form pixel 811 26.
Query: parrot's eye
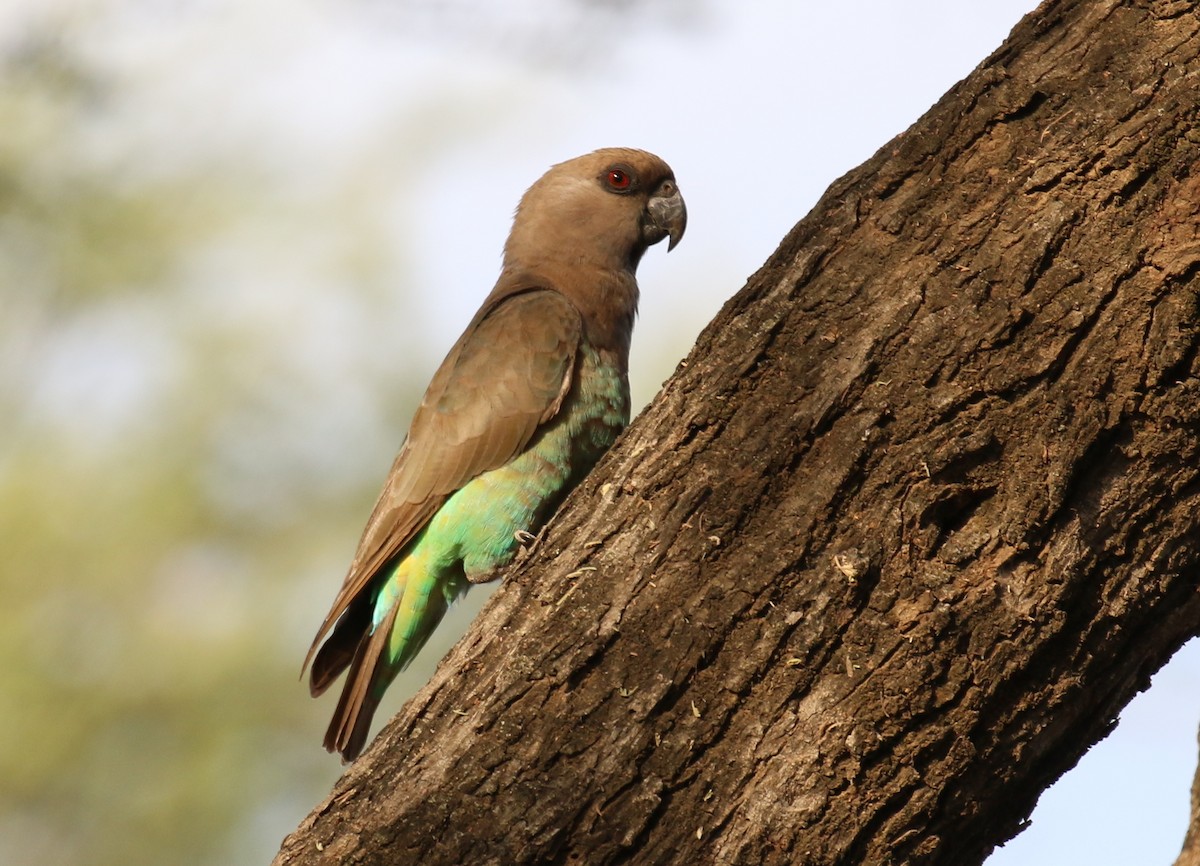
pixel 618 179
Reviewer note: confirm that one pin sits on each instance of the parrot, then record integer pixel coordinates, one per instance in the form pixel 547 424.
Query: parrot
pixel 523 406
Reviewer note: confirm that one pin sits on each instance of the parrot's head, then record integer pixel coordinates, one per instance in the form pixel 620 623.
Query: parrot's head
pixel 604 208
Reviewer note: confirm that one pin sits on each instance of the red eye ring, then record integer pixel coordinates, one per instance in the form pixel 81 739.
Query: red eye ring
pixel 618 179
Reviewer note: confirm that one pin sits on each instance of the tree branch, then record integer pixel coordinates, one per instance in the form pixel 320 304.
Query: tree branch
pixel 909 526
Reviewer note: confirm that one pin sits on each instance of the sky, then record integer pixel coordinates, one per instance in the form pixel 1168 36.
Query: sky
pixel 759 106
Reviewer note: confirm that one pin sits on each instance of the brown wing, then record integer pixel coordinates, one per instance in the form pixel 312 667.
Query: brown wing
pixel 507 374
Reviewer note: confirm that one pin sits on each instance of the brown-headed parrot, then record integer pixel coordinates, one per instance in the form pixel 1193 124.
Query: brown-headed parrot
pixel 525 403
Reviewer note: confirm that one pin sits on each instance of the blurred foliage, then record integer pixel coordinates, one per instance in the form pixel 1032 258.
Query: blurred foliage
pixel 140 692
pixel 170 514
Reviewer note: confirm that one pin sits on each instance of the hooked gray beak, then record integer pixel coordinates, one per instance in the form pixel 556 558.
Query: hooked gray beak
pixel 666 215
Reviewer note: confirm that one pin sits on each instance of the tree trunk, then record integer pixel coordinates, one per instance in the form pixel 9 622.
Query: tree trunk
pixel 914 520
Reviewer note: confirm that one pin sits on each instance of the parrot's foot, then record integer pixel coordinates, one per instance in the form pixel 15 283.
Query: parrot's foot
pixel 528 543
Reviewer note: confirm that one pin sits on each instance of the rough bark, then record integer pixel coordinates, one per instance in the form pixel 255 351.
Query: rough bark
pixel 909 526
pixel 1189 855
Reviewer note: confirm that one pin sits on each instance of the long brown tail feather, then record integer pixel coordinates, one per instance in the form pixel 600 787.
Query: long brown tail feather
pixel 340 648
pixel 351 721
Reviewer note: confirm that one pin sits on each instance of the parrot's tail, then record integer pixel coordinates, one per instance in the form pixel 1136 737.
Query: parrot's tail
pixel 351 721
pixel 412 610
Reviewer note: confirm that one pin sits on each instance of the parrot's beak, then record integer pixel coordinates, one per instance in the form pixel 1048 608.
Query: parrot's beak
pixel 666 215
